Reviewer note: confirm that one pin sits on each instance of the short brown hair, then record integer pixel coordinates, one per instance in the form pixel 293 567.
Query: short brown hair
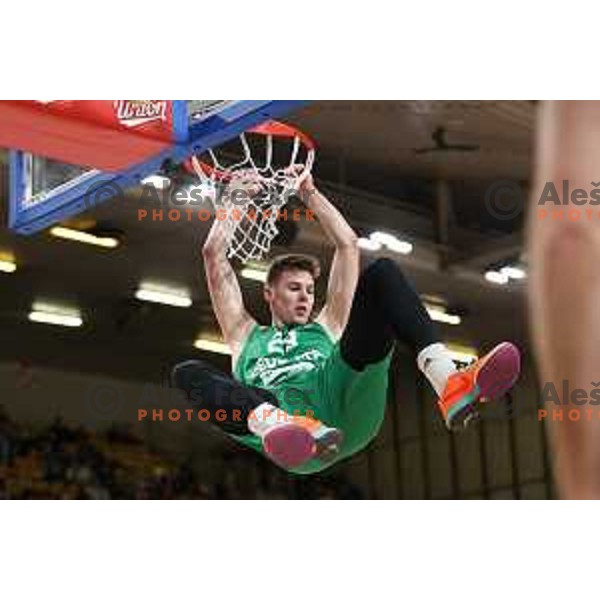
pixel 293 262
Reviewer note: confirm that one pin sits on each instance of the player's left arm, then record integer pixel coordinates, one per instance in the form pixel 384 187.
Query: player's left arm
pixel 345 266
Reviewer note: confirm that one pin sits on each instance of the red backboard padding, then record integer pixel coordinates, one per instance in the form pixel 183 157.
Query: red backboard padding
pixel 106 134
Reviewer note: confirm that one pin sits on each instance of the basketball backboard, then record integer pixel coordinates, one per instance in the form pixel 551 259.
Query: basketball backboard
pixel 67 156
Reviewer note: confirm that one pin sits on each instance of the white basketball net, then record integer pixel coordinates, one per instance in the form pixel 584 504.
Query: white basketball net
pixel 249 194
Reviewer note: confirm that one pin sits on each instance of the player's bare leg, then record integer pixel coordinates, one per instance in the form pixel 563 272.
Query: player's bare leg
pixel 565 284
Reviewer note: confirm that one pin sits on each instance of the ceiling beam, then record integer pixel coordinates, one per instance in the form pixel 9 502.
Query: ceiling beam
pixel 492 250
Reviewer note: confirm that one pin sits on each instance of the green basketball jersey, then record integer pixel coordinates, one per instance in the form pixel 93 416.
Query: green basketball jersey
pixel 284 359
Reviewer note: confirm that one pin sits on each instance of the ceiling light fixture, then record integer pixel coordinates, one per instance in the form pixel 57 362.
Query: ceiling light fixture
pixel 84 237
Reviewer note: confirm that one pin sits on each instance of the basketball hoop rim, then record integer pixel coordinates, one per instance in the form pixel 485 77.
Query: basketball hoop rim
pixel 271 127
pixel 279 129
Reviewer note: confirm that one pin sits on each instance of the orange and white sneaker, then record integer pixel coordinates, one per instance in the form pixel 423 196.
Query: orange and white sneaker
pixel 294 443
pixel 489 378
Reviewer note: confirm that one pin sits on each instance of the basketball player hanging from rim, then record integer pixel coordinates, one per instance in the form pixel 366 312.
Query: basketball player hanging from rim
pixel 309 390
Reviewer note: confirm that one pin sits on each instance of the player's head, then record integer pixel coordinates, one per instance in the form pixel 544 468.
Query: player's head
pixel 290 287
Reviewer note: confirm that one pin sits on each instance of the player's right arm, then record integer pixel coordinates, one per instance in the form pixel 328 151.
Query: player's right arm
pixel 224 289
